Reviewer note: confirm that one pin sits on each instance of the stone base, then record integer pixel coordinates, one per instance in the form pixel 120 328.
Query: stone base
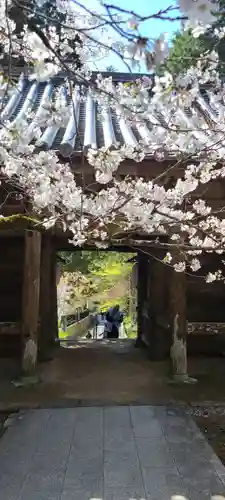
pixel 45 358
pixel 182 379
pixel 139 344
pixel 26 381
pixel 45 355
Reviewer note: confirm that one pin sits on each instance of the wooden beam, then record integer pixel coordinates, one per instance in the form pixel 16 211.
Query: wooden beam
pixel 30 306
pixel 148 168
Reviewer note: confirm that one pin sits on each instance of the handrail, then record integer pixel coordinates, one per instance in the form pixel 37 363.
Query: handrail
pixel 70 319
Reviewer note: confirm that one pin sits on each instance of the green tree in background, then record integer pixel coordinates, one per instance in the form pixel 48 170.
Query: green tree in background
pixel 186 49
pixel 74 261
pixel 184 53
pixel 100 280
pixel 105 274
pixel 111 274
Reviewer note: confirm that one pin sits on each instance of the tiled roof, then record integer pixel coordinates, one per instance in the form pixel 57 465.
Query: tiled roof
pixel 93 131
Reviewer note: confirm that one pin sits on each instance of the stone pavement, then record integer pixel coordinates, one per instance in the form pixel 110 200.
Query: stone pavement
pixel 107 453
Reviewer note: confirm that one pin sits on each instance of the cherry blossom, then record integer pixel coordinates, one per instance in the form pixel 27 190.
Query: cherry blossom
pixel 133 23
pixel 180 267
pixel 195 264
pixel 199 11
pixel 167 258
pixel 213 276
pixel 175 123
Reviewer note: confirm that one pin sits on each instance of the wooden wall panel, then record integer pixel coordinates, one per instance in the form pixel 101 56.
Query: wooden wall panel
pixel 206 301
pixel 11 278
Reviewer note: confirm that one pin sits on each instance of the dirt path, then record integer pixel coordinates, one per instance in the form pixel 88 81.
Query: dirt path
pixel 112 372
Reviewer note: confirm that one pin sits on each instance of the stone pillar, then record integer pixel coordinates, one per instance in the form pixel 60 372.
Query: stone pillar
pixel 30 305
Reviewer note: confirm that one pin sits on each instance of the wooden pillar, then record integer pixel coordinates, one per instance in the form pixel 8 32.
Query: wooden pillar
pixel 178 285
pixel 30 306
pixel 159 322
pixel 142 278
pixel 178 351
pixel 53 298
pixel 45 323
pixel 58 273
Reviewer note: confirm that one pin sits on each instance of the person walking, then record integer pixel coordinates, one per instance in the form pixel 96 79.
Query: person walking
pixel 114 318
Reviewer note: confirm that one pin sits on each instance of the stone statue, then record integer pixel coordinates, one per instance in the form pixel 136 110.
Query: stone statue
pixel 29 357
pixel 178 351
pixel 178 354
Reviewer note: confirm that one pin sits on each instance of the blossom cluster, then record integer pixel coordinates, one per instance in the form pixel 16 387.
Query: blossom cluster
pixel 170 115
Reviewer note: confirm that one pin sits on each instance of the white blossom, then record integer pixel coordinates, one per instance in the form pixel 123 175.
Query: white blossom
pixel 133 23
pixel 201 208
pixel 160 50
pixel 167 258
pixel 155 109
pixel 195 264
pixel 199 11
pixel 220 32
pixel 180 267
pixel 199 30
pixel 211 277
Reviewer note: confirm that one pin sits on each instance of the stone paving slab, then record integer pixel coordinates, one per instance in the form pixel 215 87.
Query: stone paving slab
pixel 107 453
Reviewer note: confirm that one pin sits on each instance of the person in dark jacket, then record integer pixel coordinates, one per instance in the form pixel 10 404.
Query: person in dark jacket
pixel 114 318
